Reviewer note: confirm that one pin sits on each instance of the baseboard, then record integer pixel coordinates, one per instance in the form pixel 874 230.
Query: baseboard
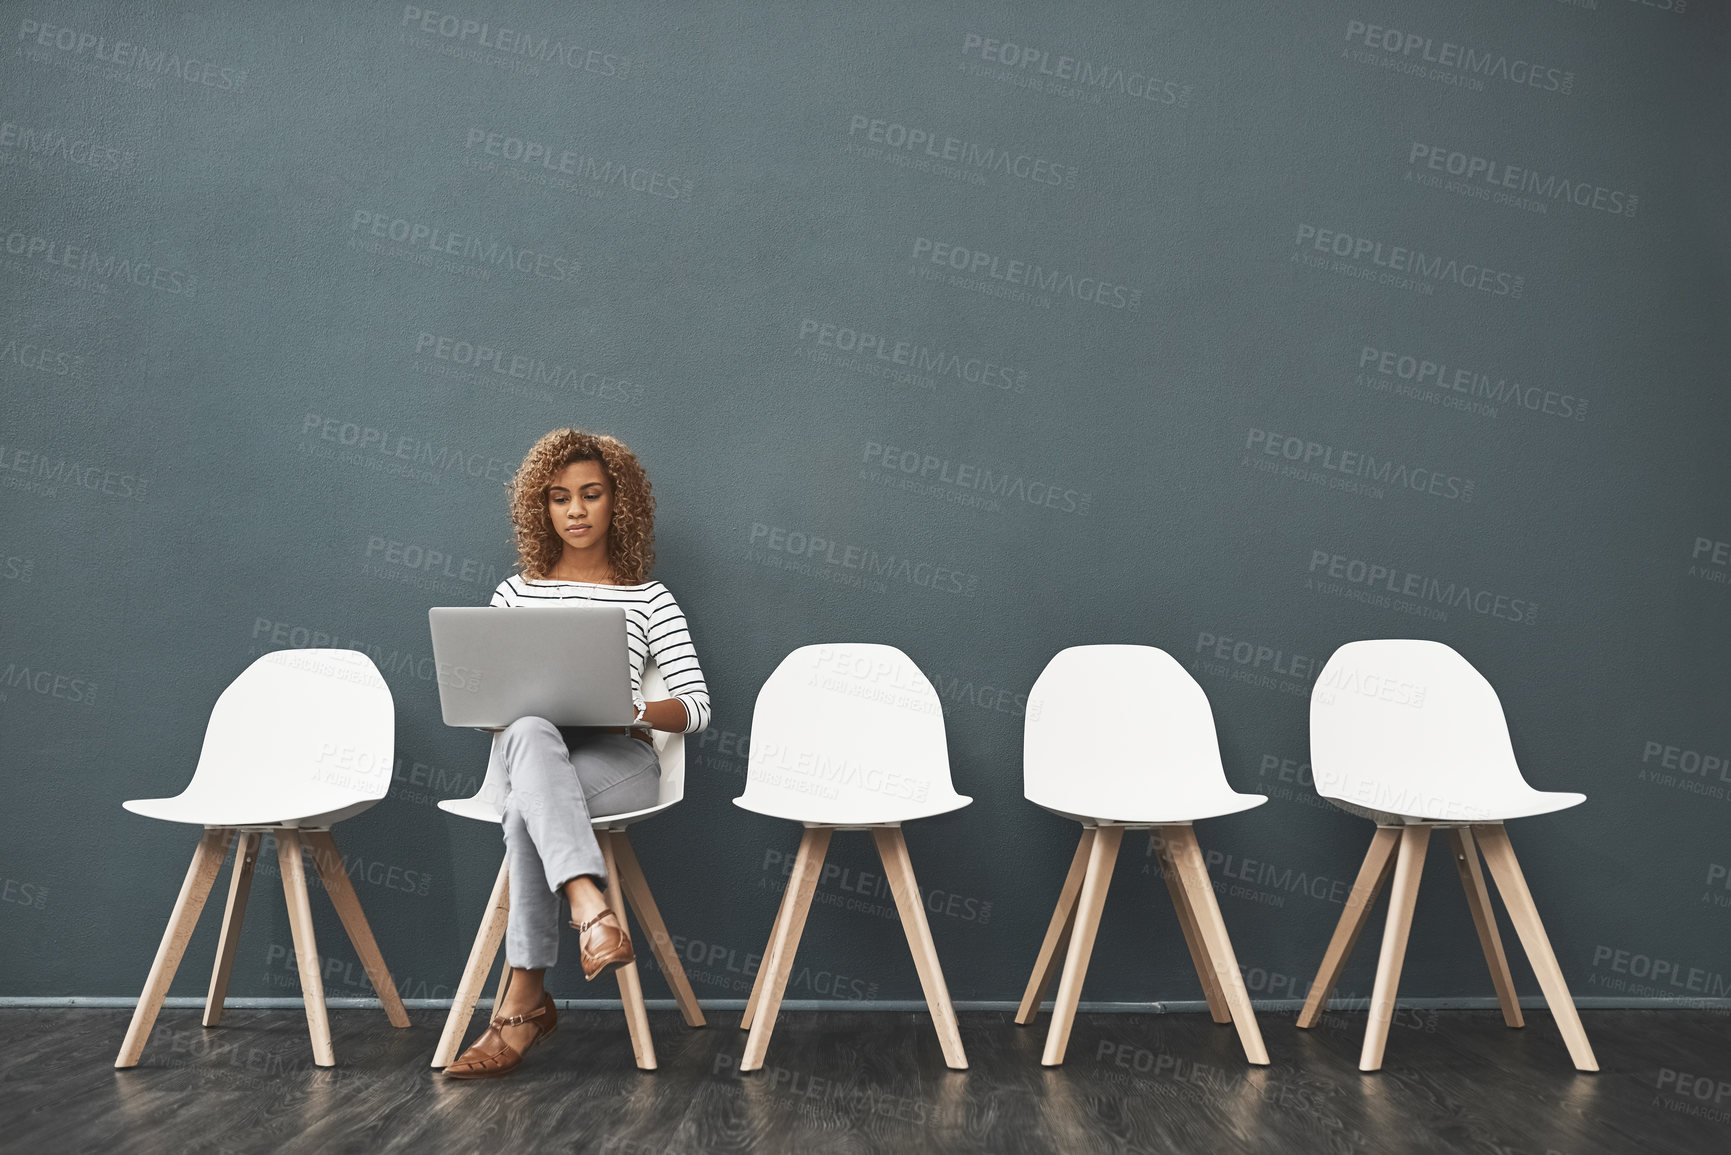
pixel 1178 1006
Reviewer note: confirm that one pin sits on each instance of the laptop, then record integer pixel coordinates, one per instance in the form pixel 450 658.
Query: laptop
pixel 567 664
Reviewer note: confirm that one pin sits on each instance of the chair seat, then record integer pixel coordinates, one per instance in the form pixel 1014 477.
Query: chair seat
pixel 1485 805
pixel 482 810
pixel 1194 809
pixel 954 802
pixel 210 808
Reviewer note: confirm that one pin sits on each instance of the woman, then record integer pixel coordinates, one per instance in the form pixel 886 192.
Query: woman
pixel 584 520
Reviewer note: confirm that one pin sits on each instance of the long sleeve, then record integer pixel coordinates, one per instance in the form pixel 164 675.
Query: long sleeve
pixel 669 642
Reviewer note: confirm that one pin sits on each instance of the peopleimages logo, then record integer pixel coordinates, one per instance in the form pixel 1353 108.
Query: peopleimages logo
pixel 138 59
pixel 278 635
pixel 93 269
pixel 553 161
pixel 1025 276
pixel 14 568
pixel 1703 772
pixel 514 45
pixel 1692 762
pixel 433 240
pixel 1710 560
pixel 1417 50
pixel 1711 1095
pixel 42 358
pixel 48 684
pixel 1088 76
pixel 1666 975
pixel 394 445
pixel 1428 267
pixel 804 549
pixel 481 363
pixel 46 474
pixel 970 480
pixel 828 775
pixel 961 689
pixel 1267 874
pixel 1459 388
pixel 1352 467
pixel 923 364
pixel 28 142
pixel 953 150
pixel 1674 7
pixel 426 560
pixel 1516 185
pixel 1258 664
pixel 1383 583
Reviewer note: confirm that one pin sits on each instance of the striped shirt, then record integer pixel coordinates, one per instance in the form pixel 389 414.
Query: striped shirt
pixel 654 626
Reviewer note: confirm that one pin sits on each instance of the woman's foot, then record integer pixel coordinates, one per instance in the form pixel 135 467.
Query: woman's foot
pixel 605 944
pixel 514 1028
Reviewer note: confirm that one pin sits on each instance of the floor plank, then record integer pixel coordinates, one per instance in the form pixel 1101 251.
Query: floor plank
pixel 853 1081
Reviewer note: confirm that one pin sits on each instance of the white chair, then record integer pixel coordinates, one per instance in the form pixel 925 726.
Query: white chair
pixel 848 737
pixel 1079 761
pixel 300 740
pixel 1408 734
pixel 488 805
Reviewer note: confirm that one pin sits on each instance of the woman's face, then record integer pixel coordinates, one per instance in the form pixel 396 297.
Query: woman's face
pixel 580 505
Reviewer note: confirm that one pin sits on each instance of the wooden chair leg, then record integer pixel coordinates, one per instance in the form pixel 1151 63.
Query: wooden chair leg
pixel 1512 885
pixel 649 918
pixel 1372 874
pixel 1102 857
pixel 1211 930
pixel 342 894
pixel 233 916
pixel 778 959
pixel 194 889
pixel 899 872
pixel 630 984
pixel 1193 939
pixel 1466 853
pixel 758 982
pixel 1408 867
pixel 300 911
pixel 293 868
pixel 1057 932
pixel 481 955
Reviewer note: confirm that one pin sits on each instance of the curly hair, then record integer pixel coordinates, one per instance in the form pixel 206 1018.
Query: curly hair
pixel 631 535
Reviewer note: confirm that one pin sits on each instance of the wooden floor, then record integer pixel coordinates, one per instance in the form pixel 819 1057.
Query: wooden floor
pixel 872 1081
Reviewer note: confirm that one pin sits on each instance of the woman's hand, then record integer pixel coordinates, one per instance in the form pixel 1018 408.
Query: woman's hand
pixel 665 714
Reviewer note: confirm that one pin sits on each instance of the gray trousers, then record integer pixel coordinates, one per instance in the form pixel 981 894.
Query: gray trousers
pixel 556 779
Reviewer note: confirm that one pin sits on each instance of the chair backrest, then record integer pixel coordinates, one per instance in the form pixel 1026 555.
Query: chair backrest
pixel 1076 761
pixel 300 731
pixel 1407 727
pixel 669 748
pixel 848 734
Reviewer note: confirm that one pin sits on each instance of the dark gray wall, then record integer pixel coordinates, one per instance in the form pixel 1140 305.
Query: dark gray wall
pixel 236 419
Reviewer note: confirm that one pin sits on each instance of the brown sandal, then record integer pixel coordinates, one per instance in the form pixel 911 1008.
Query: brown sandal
pixel 490 1055
pixel 606 950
